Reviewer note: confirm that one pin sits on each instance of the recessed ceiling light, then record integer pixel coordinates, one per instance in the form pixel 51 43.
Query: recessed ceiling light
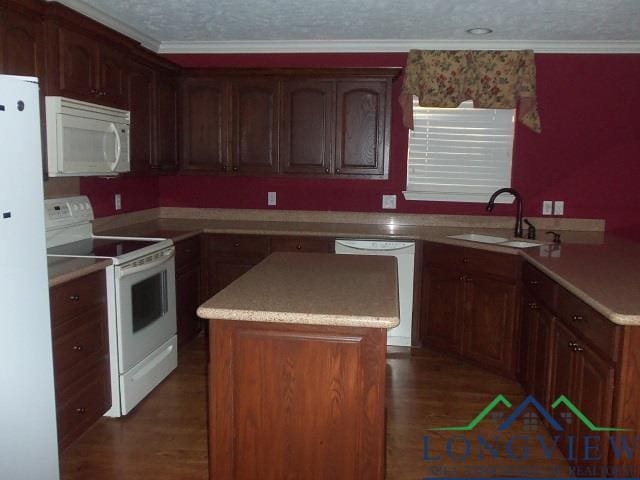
pixel 479 31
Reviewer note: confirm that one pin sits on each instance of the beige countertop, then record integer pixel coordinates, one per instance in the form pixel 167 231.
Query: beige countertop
pixel 602 270
pixel 313 289
pixel 63 269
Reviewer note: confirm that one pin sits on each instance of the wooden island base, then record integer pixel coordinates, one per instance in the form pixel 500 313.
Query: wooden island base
pixel 291 401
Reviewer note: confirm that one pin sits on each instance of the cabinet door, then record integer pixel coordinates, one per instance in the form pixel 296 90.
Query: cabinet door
pixel 529 322
pixel 542 363
pixel 204 125
pixel 442 298
pixel 187 302
pixel 593 395
pixel 362 131
pixel 21 44
pixel 78 65
pixel 489 322
pixel 222 271
pixel 112 80
pixel 307 127
pixel 166 117
pixel 562 378
pixel 254 136
pixel 141 90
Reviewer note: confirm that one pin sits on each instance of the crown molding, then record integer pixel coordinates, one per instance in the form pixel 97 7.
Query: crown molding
pixel 392 46
pixel 105 19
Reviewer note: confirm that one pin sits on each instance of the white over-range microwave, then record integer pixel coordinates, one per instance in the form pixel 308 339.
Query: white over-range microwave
pixel 86 139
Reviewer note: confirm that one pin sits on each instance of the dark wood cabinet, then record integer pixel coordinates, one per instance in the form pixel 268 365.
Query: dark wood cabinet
pixel 490 321
pixel 443 306
pixel 325 123
pixel 296 401
pixel 302 244
pixel 254 126
pixel 362 140
pixel 205 110
pixel 87 68
pixel 188 288
pixel 80 354
pixel 142 105
pixel 470 305
pixel 166 158
pixel 21 43
pixel 307 127
pixel 230 256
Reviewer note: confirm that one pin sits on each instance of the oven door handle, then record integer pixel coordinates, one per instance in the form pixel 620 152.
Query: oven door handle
pixel 132 269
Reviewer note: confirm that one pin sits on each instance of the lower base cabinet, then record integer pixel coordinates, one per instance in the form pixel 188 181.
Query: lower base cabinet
pixel 469 305
pixel 80 354
pixel 188 288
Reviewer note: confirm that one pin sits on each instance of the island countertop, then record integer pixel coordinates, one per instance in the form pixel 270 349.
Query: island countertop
pixel 312 289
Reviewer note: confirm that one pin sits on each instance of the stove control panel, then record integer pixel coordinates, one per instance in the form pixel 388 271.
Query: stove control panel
pixel 61 212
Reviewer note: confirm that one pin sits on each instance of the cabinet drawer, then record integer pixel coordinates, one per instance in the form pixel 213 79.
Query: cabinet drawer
pixel 584 320
pixel 302 244
pixel 84 405
pixel 233 245
pixel 78 345
pixel 472 259
pixel 541 287
pixel 77 296
pixel 187 252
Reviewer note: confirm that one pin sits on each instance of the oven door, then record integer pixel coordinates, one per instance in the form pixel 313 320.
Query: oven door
pixel 146 306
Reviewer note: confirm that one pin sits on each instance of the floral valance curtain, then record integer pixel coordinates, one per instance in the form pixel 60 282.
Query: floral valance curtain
pixel 492 79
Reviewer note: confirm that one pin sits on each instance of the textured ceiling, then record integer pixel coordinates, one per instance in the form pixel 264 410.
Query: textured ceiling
pixel 200 21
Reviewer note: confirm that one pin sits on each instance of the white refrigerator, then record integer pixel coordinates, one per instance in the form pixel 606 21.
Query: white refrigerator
pixel 28 436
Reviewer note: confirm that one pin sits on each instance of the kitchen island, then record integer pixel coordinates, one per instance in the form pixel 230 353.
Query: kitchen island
pixel 297 368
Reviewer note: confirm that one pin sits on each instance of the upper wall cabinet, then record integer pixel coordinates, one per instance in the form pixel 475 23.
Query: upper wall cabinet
pixel 263 122
pixel 205 109
pixel 166 158
pixel 254 126
pixel 21 43
pixel 362 140
pixel 307 126
pixel 142 104
pixel 85 68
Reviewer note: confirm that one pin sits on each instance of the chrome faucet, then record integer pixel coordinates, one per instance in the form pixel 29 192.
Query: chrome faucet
pixel 515 193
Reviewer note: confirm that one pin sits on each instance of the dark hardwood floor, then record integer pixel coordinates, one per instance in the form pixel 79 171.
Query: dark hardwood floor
pixel 165 437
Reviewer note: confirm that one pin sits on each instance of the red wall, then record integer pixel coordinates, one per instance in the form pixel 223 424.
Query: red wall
pixel 586 154
pixel 138 193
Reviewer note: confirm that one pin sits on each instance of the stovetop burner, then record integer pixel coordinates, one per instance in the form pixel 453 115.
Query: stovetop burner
pixel 100 247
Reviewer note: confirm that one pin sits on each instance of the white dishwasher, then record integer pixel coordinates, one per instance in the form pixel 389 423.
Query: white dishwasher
pixel 405 253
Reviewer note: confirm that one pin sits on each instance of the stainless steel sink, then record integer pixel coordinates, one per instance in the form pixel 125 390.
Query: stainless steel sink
pixel 475 237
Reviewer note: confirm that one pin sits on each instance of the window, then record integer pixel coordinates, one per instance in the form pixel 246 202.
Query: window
pixel 459 154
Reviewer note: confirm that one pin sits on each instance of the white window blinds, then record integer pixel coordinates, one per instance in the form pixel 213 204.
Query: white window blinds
pixel 459 154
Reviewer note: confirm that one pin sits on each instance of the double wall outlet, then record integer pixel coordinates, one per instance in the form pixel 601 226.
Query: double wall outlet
pixel 117 199
pixel 271 199
pixel 553 207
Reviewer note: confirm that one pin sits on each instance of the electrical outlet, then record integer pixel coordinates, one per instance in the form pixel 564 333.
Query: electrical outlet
pixel 558 207
pixel 389 201
pixel 547 207
pixel 271 199
pixel 118 201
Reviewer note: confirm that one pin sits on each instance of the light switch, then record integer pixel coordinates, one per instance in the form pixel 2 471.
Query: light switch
pixel 389 201
pixel 558 207
pixel 547 207
pixel 271 199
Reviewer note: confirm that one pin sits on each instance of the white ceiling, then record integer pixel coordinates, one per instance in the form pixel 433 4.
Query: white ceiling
pixel 198 26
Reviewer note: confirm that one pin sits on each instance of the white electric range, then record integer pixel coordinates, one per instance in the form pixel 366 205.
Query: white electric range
pixel 140 293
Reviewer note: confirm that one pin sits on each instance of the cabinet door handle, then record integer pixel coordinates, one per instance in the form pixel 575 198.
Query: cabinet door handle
pixel 224 168
pixel 338 170
pixel 298 247
pixel 534 306
pixel 74 298
pixel 326 170
pixel 578 348
pixel 465 260
pixel 234 168
pixel 577 318
pixel 94 91
pixel 468 279
pixel 78 348
pixel 236 244
pixel 80 410
pixel 462 278
pixel 102 94
pixel 533 282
